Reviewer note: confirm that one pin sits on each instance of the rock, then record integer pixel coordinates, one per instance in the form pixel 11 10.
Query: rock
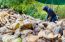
pixel 42 33
pixel 17 40
pixel 28 24
pixel 36 30
pixel 4 30
pixel 46 34
pixel 14 26
pixel 51 26
pixel 27 17
pixel 63 24
pixel 8 38
pixel 1 37
pixel 17 32
pixel 31 38
pixel 41 40
pixel 64 33
pixel 25 33
pixel 56 29
pixel 63 39
pixel 24 40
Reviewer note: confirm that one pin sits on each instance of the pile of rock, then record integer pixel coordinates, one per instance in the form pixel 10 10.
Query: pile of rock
pixel 23 28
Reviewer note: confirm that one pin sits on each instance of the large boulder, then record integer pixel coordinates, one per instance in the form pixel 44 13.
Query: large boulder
pixel 46 34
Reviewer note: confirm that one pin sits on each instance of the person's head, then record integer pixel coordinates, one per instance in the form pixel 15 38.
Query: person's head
pixel 45 8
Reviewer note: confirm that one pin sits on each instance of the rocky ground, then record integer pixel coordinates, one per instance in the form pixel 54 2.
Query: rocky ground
pixel 23 28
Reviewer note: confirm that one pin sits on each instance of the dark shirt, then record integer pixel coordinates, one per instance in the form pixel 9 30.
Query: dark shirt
pixel 51 14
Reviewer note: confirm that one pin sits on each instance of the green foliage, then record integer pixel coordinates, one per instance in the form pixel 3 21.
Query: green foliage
pixel 32 7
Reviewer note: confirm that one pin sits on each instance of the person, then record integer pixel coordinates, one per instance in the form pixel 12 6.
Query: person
pixel 51 14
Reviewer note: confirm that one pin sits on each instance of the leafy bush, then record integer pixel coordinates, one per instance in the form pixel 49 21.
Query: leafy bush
pixel 31 7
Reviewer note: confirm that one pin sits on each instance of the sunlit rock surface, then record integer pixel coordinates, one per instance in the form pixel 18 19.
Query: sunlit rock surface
pixel 24 28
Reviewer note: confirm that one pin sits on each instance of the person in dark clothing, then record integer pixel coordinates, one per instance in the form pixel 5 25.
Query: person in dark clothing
pixel 51 14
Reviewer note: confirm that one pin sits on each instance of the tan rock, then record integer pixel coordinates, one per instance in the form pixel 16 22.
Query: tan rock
pixel 46 34
pixel 31 38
